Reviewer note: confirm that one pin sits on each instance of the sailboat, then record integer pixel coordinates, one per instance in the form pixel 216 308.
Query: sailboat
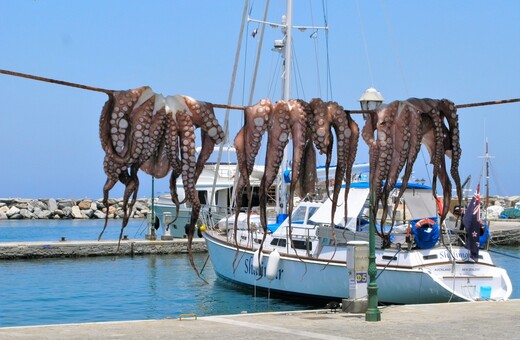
pixel 424 262
pixel 416 268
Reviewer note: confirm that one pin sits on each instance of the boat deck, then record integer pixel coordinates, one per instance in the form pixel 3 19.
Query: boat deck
pixel 476 320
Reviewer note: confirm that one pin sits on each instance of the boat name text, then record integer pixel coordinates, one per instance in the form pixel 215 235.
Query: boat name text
pixel 249 269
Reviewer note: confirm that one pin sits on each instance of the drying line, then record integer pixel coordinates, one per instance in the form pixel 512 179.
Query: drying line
pixel 224 106
pixel 54 81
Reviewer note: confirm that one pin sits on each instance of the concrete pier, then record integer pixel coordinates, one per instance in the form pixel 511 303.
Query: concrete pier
pixel 505 232
pixel 21 250
pixel 468 320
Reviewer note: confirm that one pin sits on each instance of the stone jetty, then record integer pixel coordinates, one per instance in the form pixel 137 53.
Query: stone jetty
pixel 69 208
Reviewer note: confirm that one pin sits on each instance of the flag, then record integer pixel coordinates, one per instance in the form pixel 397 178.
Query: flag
pixel 472 223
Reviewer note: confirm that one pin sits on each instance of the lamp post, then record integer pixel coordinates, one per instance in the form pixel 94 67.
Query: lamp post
pixel 371 100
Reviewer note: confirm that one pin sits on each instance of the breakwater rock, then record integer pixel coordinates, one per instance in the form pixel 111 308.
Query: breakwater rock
pixel 50 208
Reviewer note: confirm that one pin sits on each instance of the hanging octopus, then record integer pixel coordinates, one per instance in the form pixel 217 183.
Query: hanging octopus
pixel 247 144
pixel 441 140
pixel 125 125
pixel 278 137
pixel 347 135
pixel 143 130
pixel 401 128
pixel 190 114
pixel 301 139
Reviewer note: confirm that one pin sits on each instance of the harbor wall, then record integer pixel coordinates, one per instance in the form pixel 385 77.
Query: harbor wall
pixel 74 249
pixel 69 208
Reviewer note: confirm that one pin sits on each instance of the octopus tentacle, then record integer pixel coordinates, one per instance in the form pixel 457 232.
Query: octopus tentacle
pixel 341 126
pixel 211 131
pixel 115 125
pixel 278 137
pixel 247 144
pixel 186 130
pixel 354 141
pixel 321 131
pixel 401 136
pixel 449 111
pixel 298 128
pixel 155 155
pixel 172 141
pixel 131 188
pixel 416 133
pixel 385 142
pixel 112 179
pixel 308 174
pixel 368 134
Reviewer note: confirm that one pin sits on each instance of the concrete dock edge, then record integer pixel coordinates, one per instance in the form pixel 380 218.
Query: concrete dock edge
pixel 462 320
pixel 25 250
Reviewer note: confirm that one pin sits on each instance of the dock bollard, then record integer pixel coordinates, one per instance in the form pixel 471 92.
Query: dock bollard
pixel 167 219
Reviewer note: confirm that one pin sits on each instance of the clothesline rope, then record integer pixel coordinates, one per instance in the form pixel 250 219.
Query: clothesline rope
pixel 222 106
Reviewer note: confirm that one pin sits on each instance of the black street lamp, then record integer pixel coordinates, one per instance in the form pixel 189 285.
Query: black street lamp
pixel 371 100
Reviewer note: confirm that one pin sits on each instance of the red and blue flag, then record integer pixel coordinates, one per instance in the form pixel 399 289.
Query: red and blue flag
pixel 473 224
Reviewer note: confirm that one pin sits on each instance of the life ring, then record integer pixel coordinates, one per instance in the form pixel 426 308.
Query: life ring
pixel 425 222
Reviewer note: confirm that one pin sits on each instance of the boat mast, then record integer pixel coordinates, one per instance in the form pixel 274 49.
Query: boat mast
pixel 281 190
pixel 487 176
pixel 284 47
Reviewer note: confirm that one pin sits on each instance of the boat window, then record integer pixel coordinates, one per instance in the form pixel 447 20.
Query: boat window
pixel 298 215
pixel 430 257
pixel 257 240
pixel 280 242
pixel 312 210
pixel 255 198
pixel 203 197
pixel 392 258
pixel 299 244
pixel 223 198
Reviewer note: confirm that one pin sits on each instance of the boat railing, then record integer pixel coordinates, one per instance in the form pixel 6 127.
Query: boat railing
pixel 301 237
pixel 342 236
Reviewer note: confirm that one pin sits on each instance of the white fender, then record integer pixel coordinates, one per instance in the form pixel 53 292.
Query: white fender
pixel 257 260
pixel 272 265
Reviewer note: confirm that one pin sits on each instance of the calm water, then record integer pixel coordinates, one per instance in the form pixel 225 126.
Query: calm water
pixel 50 291
pixel 53 230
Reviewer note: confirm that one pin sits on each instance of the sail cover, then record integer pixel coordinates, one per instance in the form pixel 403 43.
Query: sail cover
pixel 356 200
pixel 420 203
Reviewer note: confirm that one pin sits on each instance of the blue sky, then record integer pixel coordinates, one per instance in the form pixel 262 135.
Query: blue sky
pixel 466 51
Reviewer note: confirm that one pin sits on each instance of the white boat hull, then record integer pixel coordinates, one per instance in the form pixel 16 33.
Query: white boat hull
pixel 404 284
pixel 291 278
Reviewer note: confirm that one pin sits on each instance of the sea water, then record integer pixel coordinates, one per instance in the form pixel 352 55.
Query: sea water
pixel 73 230
pixel 97 289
